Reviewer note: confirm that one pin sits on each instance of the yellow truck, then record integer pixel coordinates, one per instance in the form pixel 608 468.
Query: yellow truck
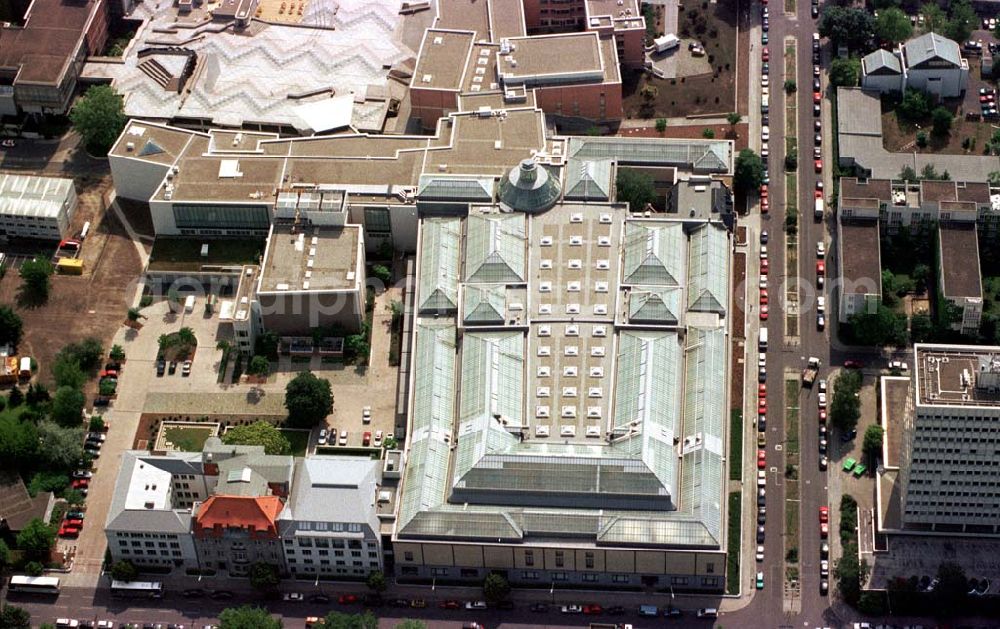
pixel 70 266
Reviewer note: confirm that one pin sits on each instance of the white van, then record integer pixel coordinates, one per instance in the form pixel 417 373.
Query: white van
pixel 708 612
pixel 762 342
pixel 189 304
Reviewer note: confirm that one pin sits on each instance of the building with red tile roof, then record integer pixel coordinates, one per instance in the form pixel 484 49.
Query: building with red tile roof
pixel 254 515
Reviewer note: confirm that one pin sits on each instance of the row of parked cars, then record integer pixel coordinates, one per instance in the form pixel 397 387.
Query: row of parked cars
pixel 72 522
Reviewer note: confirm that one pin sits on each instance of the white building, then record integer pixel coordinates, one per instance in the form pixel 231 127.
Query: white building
pixel 36 207
pixel 948 472
pixel 329 526
pixel 930 63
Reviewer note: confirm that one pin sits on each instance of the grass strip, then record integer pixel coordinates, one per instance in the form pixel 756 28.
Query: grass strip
pixel 736 444
pixel 733 550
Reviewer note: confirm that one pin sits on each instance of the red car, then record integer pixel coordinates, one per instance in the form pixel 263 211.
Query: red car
pixel 762 390
pixel 824 530
pixel 819 165
pixel 366 439
pixel 761 459
pixel 821 270
pixel 763 298
pixel 109 373
pixel 819 194
pixel 762 407
pixel 593 610
pixel 69 531
pixel 817 97
pixel 80 483
pixel 449 605
pixel 763 190
pixel 763 266
pixel 853 364
pixel 822 415
pixel 824 514
pixel 77 524
pixel 765 54
pixel 763 312
pixel 765 206
pixel 347 599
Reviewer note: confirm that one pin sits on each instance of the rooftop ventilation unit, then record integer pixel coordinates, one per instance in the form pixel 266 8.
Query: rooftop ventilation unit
pixel 438 41
pixel 427 78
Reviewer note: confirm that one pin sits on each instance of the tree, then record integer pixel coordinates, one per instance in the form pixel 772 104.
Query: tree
pixel 495 587
pixel 356 346
pixel 67 406
pixel 845 407
pixel 920 274
pixel 4 554
pixel 661 125
pixel 59 447
pixel 845 72
pixel 921 139
pixel 12 617
pixel 99 118
pixel 11 326
pixel 34 569
pixel 124 571
pixel 790 86
pixel 792 160
pixel 247 617
pixel 935 19
pixel 708 134
pixel 886 4
pixel 74 497
pixel 872 444
pixel 382 273
pixel 908 174
pixel 18 442
pixel 117 353
pixel 376 581
pixel 848 574
pixel 267 345
pixel 749 172
pixel 849 26
pixel 258 366
pixel 915 105
pixel 67 373
pixel 36 539
pixel 308 400
pixel 35 279
pixel 16 398
pixel 941 119
pixel 921 328
pixel 259 433
pixel 892 25
pixel 87 353
pixel 338 620
pixel 186 337
pixel 734 118
pixel 133 314
pixel 635 188
pixel 264 576
pixel 879 328
pixel 952 588
pixel 962 20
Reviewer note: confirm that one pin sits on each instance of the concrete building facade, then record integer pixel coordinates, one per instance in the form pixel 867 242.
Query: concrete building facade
pixel 948 474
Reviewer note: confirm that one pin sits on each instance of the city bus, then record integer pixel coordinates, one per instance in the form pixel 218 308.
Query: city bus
pixel 34 585
pixel 137 589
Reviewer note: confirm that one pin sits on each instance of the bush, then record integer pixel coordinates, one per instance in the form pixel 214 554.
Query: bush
pixel 792 160
pixel 790 86
pixel 921 139
pixel 34 569
pixel 124 571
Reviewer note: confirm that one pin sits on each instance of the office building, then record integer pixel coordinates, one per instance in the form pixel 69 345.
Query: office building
pixel 948 473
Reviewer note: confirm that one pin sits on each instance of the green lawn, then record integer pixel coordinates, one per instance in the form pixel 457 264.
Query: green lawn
pixel 182 254
pixel 733 550
pixel 187 439
pixel 792 417
pixel 736 444
pixel 299 440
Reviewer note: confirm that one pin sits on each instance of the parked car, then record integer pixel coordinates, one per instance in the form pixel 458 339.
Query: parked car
pixel 161 367
pixel 347 599
pixel 293 597
pixel 449 604
pixel 323 436
pixel 186 369
pixel 475 605
pixel 571 609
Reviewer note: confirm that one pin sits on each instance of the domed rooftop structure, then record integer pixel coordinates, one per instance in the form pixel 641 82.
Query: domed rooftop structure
pixel 529 188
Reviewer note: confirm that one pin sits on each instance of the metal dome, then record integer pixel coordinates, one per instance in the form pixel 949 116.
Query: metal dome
pixel 529 188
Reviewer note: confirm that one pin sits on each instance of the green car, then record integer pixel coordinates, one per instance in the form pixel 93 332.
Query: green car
pixel 859 470
pixel 760 580
pixel 849 464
